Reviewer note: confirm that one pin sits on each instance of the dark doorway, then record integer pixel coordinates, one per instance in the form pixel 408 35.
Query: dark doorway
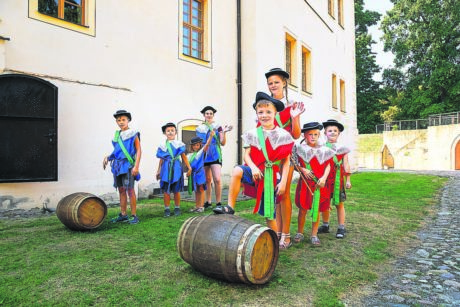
pixel 28 122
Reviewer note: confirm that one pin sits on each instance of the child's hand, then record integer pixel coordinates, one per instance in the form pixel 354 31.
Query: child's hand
pixel 105 162
pixel 212 133
pixel 280 188
pixel 348 185
pixel 307 173
pixel 256 173
pixel 228 128
pixel 297 109
pixel 189 172
pixel 135 171
pixel 321 182
pixel 158 176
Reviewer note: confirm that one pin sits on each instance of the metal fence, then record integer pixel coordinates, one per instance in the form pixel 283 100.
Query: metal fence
pixel 415 124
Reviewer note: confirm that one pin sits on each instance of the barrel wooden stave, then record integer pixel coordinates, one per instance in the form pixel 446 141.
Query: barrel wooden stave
pixel 229 248
pixel 81 211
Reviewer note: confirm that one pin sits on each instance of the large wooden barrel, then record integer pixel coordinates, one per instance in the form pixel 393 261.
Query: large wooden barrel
pixel 81 211
pixel 229 248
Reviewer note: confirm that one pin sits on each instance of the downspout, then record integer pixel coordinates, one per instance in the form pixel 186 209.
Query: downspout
pixel 238 81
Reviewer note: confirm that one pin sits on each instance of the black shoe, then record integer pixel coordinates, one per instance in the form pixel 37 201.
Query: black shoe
pixel 224 210
pixel 323 229
pixel 207 205
pixel 340 233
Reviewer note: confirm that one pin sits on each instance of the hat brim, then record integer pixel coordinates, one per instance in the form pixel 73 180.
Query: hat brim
pixel 338 125
pixel 208 108
pixel 163 128
pixel 319 127
pixel 127 114
pixel 279 73
pixel 279 106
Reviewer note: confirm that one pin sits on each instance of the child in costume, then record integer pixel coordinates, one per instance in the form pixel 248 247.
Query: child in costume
pixel 169 168
pixel 124 162
pixel 213 156
pixel 289 120
pixel 266 148
pixel 314 166
pixel 197 180
pixel 335 182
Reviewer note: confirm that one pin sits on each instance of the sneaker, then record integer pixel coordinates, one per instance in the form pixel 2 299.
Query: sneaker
pixel 176 211
pixel 120 218
pixel 134 219
pixel 167 212
pixel 207 205
pixel 323 229
pixel 197 210
pixel 340 233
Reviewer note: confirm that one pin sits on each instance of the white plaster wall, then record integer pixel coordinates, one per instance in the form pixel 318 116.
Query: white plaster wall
pixel 408 148
pixel 441 141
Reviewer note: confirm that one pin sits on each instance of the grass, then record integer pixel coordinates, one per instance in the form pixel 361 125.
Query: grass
pixel 44 263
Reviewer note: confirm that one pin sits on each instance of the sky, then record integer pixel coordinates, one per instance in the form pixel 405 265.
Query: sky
pixel 383 59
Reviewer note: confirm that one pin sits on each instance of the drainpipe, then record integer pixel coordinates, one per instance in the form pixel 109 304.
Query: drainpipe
pixel 238 81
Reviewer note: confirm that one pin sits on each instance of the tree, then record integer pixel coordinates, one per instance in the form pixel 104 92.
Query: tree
pixel 424 36
pixel 367 89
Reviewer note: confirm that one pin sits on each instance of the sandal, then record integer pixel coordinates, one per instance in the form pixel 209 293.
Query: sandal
pixel 197 210
pixel 283 243
pixel 315 241
pixel 224 210
pixel 298 237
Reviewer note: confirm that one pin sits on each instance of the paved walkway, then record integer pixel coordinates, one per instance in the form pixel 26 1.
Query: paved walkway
pixel 429 275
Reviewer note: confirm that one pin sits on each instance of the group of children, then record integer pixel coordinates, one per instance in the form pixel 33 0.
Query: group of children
pixel 270 154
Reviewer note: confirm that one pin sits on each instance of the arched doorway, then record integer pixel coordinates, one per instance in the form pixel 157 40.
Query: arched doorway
pixel 28 121
pixel 387 158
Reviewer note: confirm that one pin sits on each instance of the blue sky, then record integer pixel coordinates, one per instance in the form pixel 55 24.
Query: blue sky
pixel 383 59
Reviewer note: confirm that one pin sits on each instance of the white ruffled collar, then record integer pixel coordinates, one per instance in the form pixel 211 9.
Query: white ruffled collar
pixel 339 148
pixel 307 153
pixel 127 134
pixel 175 143
pixel 277 137
pixel 203 128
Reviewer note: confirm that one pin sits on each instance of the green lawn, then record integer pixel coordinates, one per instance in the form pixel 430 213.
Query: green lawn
pixel 44 263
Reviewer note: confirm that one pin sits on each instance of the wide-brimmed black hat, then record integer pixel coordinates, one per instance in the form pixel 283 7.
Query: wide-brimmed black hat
pixel 333 122
pixel 196 140
pixel 206 108
pixel 277 71
pixel 122 112
pixel 163 128
pixel 263 96
pixel 311 126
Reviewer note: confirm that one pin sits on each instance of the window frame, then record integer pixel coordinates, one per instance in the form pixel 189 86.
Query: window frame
pixel 290 50
pixel 61 11
pixel 331 8
pixel 193 29
pixel 340 16
pixel 342 96
pixel 306 70
pixel 334 91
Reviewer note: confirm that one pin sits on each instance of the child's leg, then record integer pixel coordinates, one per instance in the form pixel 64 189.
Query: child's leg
pixel 177 199
pixel 167 199
pixel 201 198
pixel 301 220
pixel 279 220
pixel 326 215
pixel 235 185
pixel 216 178
pixel 272 224
pixel 286 207
pixel 314 227
pixel 123 200
pixel 341 213
pixel 132 200
pixel 207 170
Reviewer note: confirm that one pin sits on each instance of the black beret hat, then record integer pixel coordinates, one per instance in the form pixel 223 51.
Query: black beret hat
pixel 163 128
pixel 263 96
pixel 122 112
pixel 277 71
pixel 311 126
pixel 208 108
pixel 333 122
pixel 196 140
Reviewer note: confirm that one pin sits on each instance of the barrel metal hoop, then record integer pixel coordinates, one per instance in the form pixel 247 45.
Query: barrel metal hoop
pixel 74 214
pixel 249 249
pixel 239 255
pixel 183 230
pixel 192 239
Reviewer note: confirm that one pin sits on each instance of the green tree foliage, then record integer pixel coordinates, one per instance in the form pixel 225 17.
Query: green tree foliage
pixel 367 89
pixel 424 36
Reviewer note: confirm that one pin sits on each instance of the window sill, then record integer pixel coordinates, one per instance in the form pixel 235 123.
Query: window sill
pixel 306 93
pixel 64 20
pixel 194 60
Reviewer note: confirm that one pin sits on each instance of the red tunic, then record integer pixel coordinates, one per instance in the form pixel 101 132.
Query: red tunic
pixel 340 152
pixel 319 159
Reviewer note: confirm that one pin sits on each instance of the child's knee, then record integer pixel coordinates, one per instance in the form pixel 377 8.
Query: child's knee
pixel 237 172
pixel 131 192
pixel 122 190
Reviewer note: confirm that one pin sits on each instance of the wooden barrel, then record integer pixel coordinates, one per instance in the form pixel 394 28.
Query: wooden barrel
pixel 81 211
pixel 229 248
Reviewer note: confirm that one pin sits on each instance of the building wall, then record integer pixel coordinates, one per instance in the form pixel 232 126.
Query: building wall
pixel 131 62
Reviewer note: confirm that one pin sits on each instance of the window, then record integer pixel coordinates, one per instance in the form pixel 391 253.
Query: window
pixel 193 28
pixel 306 70
pixel 330 8
pixel 334 91
pixel 342 95
pixel 75 15
pixel 340 12
pixel 70 10
pixel 291 58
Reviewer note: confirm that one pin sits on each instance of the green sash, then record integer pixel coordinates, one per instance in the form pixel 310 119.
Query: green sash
pixel 269 189
pixel 219 151
pixel 190 178
pixel 337 164
pixel 173 158
pixel 123 148
pixel 316 197
pixel 280 123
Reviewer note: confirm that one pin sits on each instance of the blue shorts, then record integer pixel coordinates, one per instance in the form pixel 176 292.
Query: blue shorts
pixel 247 175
